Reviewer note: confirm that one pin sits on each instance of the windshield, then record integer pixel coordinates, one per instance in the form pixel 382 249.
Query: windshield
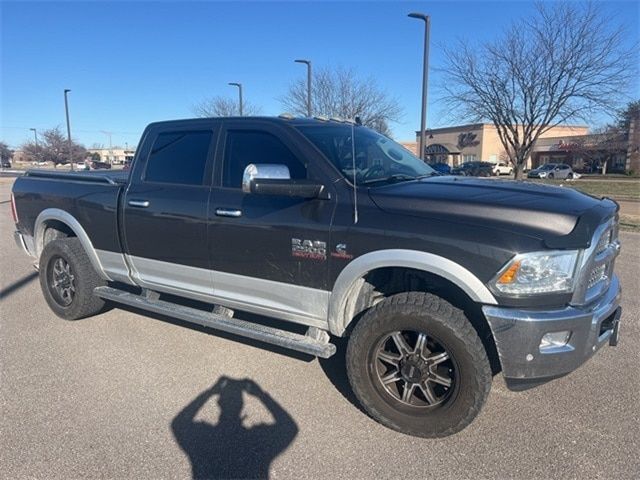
pixel 548 166
pixel 378 158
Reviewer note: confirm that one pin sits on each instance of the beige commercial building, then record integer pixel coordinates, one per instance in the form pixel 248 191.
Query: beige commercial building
pixel 115 155
pixel 478 142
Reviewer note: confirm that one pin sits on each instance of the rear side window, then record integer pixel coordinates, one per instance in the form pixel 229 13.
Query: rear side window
pixel 179 157
pixel 244 147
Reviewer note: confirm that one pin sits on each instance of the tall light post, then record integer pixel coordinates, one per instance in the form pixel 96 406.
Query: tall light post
pixel 239 85
pixel 308 63
pixel 35 136
pixel 110 155
pixel 108 134
pixel 66 109
pixel 425 77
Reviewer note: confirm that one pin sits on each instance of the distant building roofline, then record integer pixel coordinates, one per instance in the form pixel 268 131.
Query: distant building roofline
pixel 473 126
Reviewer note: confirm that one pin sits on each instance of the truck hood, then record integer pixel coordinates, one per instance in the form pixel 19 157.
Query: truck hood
pixel 562 217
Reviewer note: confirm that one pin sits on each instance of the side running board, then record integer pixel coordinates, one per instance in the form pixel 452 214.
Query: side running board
pixel 313 343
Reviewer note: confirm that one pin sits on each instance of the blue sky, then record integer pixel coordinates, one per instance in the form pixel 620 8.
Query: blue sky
pixel 131 63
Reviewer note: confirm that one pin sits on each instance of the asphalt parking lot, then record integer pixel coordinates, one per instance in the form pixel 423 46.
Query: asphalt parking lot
pixel 122 395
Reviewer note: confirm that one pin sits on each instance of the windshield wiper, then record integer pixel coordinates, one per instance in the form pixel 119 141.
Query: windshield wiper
pixel 397 177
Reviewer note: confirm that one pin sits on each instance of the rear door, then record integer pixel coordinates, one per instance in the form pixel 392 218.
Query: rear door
pixel 166 209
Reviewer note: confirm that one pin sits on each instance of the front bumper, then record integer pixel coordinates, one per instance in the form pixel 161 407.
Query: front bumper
pixel 518 334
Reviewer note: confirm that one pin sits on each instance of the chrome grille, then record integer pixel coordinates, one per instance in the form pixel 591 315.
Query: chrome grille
pixel 597 265
pixel 597 274
pixel 604 242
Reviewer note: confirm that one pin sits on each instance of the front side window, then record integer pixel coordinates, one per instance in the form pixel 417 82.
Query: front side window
pixel 244 147
pixel 378 159
pixel 179 158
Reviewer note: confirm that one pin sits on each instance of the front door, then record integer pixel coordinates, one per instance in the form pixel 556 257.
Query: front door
pixel 166 211
pixel 268 252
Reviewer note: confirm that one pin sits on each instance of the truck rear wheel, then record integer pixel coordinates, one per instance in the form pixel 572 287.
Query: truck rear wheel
pixel 67 279
pixel 417 365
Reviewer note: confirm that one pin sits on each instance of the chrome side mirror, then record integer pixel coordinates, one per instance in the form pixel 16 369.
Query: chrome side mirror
pixel 263 170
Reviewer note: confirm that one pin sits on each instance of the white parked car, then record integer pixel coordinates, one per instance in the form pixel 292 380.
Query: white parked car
pixel 502 168
pixel 553 171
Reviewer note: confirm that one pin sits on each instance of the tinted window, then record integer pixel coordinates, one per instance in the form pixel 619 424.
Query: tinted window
pixel 179 157
pixel 244 147
pixel 378 159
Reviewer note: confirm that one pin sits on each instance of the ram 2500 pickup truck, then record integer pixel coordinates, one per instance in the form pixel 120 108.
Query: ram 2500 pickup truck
pixel 438 282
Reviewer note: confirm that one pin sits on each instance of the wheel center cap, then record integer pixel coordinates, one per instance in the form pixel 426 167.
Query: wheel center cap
pixel 411 372
pixel 64 280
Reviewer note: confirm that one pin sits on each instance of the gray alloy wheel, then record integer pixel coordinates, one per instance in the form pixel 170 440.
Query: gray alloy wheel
pixel 61 281
pixel 67 280
pixel 415 369
pixel 417 365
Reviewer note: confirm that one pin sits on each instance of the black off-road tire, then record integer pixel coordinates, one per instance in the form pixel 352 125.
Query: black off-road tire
pixel 435 317
pixel 85 279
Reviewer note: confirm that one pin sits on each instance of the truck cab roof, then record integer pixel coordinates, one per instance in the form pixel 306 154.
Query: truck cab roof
pixel 279 120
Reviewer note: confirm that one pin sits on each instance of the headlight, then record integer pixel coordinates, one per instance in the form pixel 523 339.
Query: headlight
pixel 542 174
pixel 536 273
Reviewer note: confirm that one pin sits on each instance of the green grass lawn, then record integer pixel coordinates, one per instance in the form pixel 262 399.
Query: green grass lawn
pixel 630 223
pixel 616 189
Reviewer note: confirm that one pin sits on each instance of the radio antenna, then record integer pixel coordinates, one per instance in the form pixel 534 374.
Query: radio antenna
pixel 355 184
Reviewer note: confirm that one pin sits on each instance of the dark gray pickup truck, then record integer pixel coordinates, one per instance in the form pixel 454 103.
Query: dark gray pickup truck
pixel 439 282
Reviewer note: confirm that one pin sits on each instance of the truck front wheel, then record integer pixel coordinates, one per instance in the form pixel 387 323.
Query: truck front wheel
pixel 67 279
pixel 417 365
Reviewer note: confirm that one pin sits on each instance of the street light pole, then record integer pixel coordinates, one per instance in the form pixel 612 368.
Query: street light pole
pixel 239 85
pixel 66 109
pixel 425 77
pixel 35 136
pixel 308 63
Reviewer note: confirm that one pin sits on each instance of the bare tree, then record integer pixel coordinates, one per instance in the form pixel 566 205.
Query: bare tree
pixel 341 93
pixel 567 63
pixel 54 148
pixel 5 152
pixel 220 106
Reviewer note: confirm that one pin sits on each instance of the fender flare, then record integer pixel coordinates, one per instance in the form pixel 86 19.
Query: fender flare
pixel 348 283
pixel 74 225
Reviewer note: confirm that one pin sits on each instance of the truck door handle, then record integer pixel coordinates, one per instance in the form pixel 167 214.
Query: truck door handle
pixel 226 212
pixel 139 203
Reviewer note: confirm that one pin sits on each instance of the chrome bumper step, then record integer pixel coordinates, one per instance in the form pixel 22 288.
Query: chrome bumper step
pixel 310 343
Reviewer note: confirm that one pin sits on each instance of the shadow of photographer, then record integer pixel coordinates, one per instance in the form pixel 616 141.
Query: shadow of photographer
pixel 230 449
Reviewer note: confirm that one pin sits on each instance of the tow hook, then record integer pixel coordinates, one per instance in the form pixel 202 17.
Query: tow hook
pixel 615 334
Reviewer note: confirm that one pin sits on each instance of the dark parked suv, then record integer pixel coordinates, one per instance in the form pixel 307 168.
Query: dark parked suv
pixel 97 165
pixel 474 169
pixel 438 282
pixel 442 168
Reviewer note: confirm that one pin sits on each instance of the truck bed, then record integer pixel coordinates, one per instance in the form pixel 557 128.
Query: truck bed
pixel 90 197
pixel 116 176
